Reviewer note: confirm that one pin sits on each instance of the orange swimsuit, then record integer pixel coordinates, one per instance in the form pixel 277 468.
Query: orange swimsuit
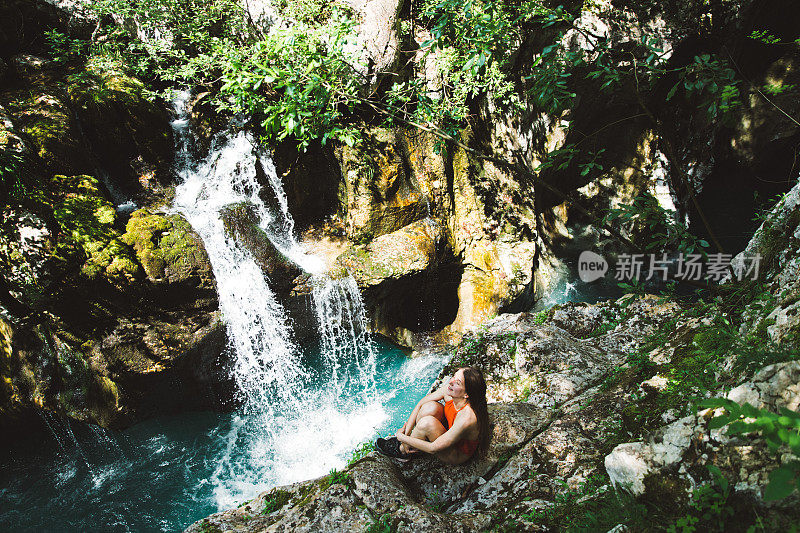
pixel 467 447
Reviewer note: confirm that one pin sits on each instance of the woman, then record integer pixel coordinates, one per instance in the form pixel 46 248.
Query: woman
pixel 453 432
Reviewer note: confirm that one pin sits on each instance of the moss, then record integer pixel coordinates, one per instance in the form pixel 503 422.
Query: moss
pixel 46 121
pixel 87 221
pixel 162 243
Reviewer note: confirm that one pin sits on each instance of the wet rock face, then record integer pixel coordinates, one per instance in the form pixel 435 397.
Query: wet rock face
pixel 311 180
pixel 121 325
pixel 409 280
pixel 396 178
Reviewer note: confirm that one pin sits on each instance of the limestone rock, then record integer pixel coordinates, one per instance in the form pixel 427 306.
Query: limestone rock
pixel 408 251
pixel 378 194
pixel 408 278
pixel 629 464
pixel 773 386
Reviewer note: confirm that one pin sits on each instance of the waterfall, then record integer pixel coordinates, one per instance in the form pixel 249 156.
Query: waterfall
pixel 301 413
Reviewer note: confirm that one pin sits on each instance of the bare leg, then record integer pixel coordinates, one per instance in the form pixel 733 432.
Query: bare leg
pixel 434 409
pixel 428 428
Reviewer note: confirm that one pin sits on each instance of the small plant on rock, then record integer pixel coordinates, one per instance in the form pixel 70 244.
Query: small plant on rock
pixel 779 430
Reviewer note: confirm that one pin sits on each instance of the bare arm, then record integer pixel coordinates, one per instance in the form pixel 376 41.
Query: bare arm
pixel 435 396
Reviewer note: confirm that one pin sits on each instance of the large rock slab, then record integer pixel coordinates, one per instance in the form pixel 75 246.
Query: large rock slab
pixel 410 496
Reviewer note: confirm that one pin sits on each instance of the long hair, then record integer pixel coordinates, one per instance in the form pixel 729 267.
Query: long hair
pixel 476 394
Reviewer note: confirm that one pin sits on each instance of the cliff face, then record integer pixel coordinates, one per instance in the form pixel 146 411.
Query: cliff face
pixel 107 316
pixel 489 189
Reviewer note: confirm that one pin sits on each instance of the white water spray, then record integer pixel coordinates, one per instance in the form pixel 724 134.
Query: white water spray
pixel 298 418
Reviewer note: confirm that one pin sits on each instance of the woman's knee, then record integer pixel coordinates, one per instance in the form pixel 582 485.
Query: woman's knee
pixel 433 409
pixel 429 424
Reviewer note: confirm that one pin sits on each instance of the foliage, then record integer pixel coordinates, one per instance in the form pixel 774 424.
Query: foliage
pixel 435 502
pixel 359 453
pixel 779 430
pixel 276 499
pixel 709 509
pixel 63 48
pixel 591 506
pixel 179 42
pixel 13 168
pixel 711 83
pixel 300 80
pixel 383 524
pixel 310 11
pixel 664 231
pixel 541 317
pixel 336 477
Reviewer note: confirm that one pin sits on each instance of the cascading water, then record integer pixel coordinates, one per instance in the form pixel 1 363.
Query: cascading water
pixel 302 410
pixel 297 420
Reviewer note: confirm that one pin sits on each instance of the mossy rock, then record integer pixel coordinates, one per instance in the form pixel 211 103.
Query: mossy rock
pixel 168 248
pixel 87 220
pixel 44 119
pixel 129 134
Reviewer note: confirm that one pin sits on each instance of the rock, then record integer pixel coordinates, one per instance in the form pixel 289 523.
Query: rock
pixel 536 361
pixel 24 22
pixel 579 320
pixel 408 279
pixel 129 135
pixel 628 465
pixel 412 497
pixel 311 180
pixel 169 250
pixel 379 33
pixel 87 219
pixel 31 69
pixel 241 222
pixel 43 119
pixel 772 387
pixel 411 250
pixel 379 193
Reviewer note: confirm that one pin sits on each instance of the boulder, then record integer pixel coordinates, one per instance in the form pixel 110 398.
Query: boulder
pixel 241 223
pixel 170 252
pixel 42 117
pixel 129 135
pixel 408 278
pixel 676 454
pixel 410 250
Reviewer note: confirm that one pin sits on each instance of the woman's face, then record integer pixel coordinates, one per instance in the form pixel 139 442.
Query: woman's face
pixel 455 387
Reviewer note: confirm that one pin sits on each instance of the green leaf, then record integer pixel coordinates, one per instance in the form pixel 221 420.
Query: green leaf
pixel 781 484
pixel 738 427
pixel 714 403
pixel 719 421
pixel 672 91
